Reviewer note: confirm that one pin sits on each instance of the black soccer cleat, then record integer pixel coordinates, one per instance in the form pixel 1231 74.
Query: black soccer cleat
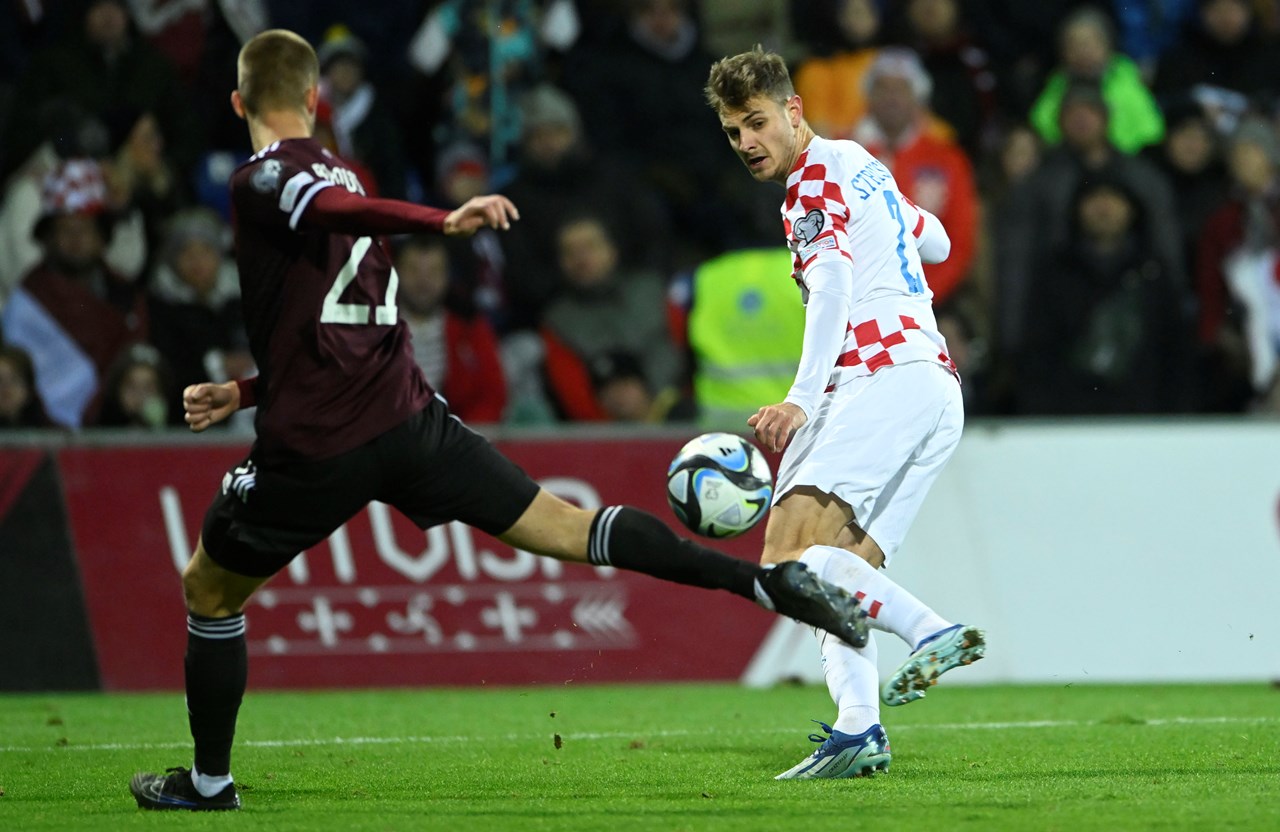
pixel 798 593
pixel 174 790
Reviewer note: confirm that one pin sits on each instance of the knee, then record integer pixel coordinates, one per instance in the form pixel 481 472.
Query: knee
pixel 203 592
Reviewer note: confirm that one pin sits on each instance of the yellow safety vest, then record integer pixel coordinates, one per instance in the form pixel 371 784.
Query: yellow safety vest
pixel 746 330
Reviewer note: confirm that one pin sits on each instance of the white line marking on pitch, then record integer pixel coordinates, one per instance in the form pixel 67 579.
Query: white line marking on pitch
pixel 629 735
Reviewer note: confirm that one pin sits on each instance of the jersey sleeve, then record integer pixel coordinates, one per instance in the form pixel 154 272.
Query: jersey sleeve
pixel 926 229
pixel 274 192
pixel 817 216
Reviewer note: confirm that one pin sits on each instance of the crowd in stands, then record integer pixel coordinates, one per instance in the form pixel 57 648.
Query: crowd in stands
pixel 1108 172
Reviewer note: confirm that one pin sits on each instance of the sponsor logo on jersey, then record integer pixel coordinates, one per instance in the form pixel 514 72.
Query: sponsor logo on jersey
pixel 816 246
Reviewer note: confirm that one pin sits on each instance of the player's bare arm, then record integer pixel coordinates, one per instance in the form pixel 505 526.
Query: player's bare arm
pixel 775 424
pixel 207 404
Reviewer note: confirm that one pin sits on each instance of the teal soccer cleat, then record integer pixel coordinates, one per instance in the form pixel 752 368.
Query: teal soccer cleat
pixel 953 647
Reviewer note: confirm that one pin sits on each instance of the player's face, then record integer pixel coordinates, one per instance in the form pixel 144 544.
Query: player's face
pixel 765 135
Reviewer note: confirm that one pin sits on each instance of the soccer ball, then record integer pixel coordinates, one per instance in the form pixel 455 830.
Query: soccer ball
pixel 719 485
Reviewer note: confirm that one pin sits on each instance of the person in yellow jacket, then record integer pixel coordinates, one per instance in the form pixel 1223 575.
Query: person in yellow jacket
pixel 746 326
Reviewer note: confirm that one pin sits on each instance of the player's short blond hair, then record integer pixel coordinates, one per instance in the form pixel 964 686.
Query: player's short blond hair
pixel 275 70
pixel 737 79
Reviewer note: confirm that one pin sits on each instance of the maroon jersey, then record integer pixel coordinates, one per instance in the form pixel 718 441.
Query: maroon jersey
pixel 335 364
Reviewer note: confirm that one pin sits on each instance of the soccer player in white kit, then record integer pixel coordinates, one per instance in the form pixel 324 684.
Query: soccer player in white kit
pixel 875 410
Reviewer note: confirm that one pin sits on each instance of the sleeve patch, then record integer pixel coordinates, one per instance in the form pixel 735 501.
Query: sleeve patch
pixel 292 189
pixel 808 227
pixel 826 242
pixel 267 177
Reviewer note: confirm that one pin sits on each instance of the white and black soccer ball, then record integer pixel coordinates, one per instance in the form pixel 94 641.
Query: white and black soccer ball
pixel 719 485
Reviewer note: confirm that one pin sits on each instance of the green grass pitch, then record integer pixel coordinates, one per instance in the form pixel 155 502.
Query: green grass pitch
pixel 663 757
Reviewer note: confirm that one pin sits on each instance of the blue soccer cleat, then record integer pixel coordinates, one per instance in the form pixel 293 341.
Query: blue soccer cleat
pixel 953 647
pixel 843 755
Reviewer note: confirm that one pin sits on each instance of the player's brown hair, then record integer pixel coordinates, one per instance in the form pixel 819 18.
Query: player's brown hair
pixel 276 68
pixel 737 79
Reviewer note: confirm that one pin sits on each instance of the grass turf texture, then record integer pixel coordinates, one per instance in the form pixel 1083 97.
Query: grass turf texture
pixel 661 757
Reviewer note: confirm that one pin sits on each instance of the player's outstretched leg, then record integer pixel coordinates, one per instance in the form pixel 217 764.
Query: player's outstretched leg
pixel 175 790
pixel 632 539
pixel 955 646
pixel 937 644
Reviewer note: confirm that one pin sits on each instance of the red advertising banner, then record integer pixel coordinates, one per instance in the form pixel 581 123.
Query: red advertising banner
pixel 381 603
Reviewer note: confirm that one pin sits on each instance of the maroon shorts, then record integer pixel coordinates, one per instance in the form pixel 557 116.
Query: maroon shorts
pixel 431 467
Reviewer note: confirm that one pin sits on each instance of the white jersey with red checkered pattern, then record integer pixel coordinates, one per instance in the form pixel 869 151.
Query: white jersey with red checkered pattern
pixel 842 204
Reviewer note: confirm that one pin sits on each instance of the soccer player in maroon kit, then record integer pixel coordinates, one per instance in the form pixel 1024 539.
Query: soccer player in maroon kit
pixel 344 416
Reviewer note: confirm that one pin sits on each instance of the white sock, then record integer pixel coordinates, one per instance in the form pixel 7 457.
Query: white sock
pixel 853 682
pixel 207 785
pixel 889 607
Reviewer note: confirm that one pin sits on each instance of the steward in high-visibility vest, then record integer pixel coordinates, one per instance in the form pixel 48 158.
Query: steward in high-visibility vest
pixel 746 330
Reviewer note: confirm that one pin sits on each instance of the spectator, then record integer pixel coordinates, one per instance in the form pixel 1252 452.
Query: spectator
pixel 1019 158
pixel 139 392
pixel 1191 159
pixel 457 353
pixel 964 87
pixel 362 128
pixel 1150 29
pixel 72 313
pixel 1039 213
pixel 744 325
pixel 463 173
pixel 141 182
pixel 921 152
pixel 66 131
pixel 20 405
pixel 736 27
pixel 103 66
pixel 641 95
pixel 491 59
pixel 1087 53
pixel 825 27
pixel 1236 277
pixel 832 85
pixel 1019 38
pixel 1222 60
pixel 194 303
pixel 181 29
pixel 603 309
pixel 624 393
pixel 1107 320
pixel 560 174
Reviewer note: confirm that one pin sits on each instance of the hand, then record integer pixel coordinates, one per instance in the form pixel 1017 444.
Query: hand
pixel 775 423
pixel 493 211
pixel 208 404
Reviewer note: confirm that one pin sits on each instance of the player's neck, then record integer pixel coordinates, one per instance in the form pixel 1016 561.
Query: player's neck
pixel 277 125
pixel 804 136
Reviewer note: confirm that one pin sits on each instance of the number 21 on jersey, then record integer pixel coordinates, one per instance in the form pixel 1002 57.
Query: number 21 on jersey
pixel 910 271
pixel 335 312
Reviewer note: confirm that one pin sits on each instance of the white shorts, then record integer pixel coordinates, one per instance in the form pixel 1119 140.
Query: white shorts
pixel 878 442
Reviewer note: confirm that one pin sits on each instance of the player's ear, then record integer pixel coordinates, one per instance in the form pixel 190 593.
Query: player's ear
pixel 237 103
pixel 312 99
pixel 795 110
